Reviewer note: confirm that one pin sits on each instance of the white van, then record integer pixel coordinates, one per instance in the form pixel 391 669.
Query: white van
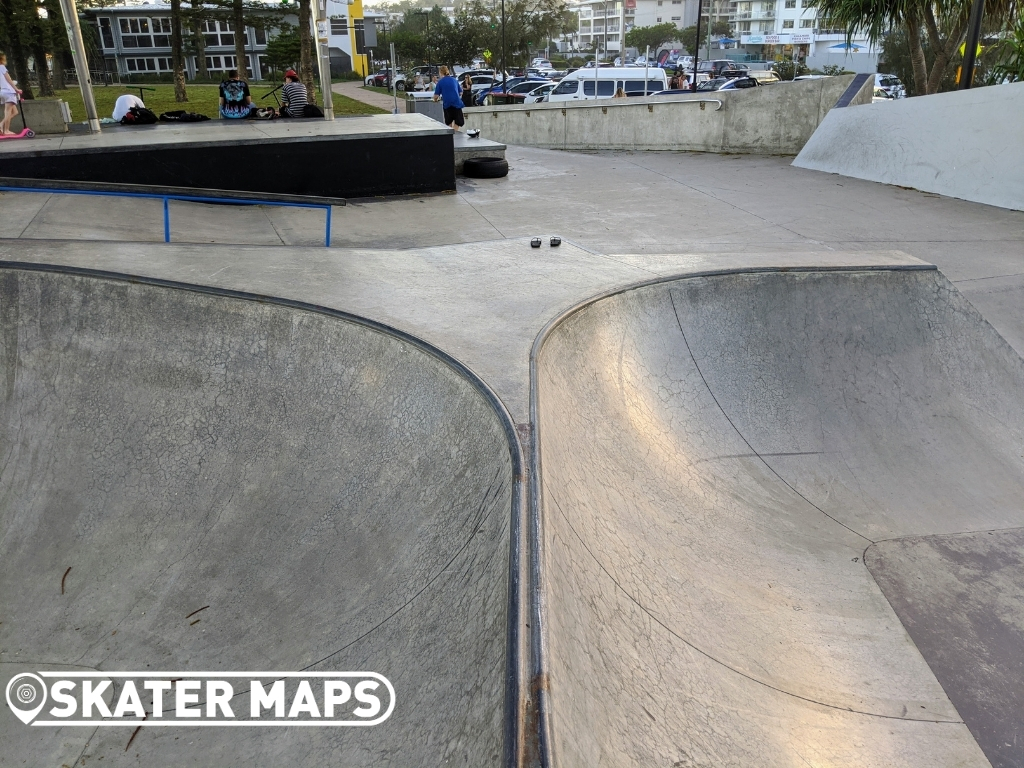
pixel 602 83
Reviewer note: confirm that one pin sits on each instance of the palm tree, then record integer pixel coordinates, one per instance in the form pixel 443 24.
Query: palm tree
pixel 943 23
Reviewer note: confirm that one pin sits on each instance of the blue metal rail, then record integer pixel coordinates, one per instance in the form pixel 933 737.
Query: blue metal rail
pixel 186 198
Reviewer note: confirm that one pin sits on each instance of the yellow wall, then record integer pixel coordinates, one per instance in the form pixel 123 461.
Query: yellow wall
pixel 359 63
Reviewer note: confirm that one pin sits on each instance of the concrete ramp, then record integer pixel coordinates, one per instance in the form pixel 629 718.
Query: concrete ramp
pixel 966 144
pixel 333 495
pixel 717 454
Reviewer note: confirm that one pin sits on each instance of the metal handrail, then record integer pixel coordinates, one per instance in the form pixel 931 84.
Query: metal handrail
pixel 187 198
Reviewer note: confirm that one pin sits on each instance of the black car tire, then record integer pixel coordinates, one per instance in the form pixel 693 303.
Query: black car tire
pixel 485 168
pixel 400 86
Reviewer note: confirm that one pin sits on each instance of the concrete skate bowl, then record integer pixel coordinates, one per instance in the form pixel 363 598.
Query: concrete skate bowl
pixel 716 455
pixel 327 493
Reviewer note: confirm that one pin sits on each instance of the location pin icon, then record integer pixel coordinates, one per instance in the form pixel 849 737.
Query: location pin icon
pixel 26 695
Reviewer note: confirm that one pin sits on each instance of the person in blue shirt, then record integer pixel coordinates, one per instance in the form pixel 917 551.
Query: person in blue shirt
pixel 448 93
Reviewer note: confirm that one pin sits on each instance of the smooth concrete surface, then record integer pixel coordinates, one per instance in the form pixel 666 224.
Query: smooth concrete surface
pixel 773 120
pixel 236 132
pixel 965 144
pixel 504 291
pixel 958 595
pixel 338 496
pixel 716 453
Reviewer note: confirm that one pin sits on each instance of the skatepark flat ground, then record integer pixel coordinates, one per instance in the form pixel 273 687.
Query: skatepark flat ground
pixel 758 453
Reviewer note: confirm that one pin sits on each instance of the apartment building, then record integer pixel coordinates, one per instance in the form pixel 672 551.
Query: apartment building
pixel 599 20
pixel 769 29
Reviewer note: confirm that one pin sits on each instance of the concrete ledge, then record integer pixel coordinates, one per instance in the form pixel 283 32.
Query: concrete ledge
pixel 44 116
pixel 777 119
pixel 466 148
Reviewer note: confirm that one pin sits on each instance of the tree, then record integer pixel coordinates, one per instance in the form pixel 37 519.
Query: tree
pixel 238 24
pixel 454 42
pixel 16 27
pixel 177 54
pixel 654 36
pixel 306 45
pixel 284 49
pixel 527 22
pixel 941 26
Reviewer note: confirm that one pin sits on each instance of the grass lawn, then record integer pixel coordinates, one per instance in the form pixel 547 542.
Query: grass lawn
pixel 201 99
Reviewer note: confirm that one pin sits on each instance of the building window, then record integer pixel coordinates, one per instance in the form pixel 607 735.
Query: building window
pixel 806 23
pixel 145 33
pixel 218 33
pixel 745 26
pixel 787 23
pixel 791 3
pixel 339 26
pixel 107 33
pixel 261 35
pixel 659 3
pixel 220 63
pixel 676 18
pixel 659 19
pixel 148 65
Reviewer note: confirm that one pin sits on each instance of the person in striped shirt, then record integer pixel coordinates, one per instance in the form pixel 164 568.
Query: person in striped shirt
pixel 295 98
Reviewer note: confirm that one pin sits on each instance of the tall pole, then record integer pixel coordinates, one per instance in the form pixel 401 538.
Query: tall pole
pixel 503 46
pixel 622 31
pixel 696 50
pixel 74 30
pixel 647 67
pixel 323 56
pixel 711 8
pixel 394 78
pixel 971 46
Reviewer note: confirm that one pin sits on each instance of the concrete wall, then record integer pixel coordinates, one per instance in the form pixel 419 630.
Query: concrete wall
pixel 773 120
pixel 42 116
pixel 966 144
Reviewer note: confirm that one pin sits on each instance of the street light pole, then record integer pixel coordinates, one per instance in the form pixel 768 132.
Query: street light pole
pixel 74 30
pixel 696 50
pixel 503 46
pixel 971 46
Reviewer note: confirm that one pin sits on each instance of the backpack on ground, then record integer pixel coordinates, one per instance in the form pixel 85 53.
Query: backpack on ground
pixel 139 116
pixel 181 116
pixel 262 113
pixel 312 110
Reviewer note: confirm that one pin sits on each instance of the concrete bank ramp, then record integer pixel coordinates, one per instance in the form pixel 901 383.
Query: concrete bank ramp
pixel 337 496
pixel 717 454
pixel 966 144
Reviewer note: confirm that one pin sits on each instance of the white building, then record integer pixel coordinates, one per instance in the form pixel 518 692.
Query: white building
pixel 769 29
pixel 599 20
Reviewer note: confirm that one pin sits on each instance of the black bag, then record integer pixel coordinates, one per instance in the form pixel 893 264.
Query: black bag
pixel 262 113
pixel 181 116
pixel 139 116
pixel 312 110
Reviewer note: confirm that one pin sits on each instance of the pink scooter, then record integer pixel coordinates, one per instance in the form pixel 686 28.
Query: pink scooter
pixel 26 132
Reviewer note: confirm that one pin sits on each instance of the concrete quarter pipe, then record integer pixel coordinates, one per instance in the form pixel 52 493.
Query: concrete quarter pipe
pixel 716 455
pixel 336 494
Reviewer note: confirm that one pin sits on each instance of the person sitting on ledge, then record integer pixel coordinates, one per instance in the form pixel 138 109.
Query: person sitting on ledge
pixel 294 93
pixel 235 101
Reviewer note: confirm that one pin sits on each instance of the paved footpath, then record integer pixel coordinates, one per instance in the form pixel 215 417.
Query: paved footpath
pixel 355 90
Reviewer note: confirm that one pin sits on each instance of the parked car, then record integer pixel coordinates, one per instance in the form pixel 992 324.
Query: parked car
pixel 891 85
pixel 727 84
pixel 515 94
pixel 764 76
pixel 881 94
pixel 540 93
pixel 715 67
pixel 540 63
